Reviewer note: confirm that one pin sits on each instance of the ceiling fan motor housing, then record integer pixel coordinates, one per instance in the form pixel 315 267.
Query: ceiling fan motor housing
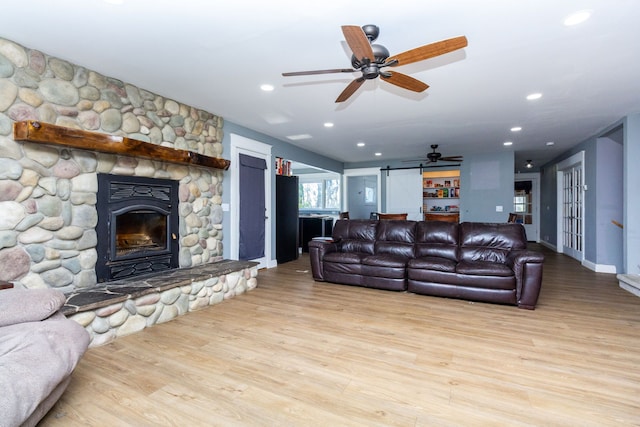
pixel 371 31
pixel 380 53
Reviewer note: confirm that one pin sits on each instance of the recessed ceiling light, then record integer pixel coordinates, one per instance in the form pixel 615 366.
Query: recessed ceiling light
pixel 378 154
pixel 299 137
pixel 507 143
pixel 533 96
pixel 328 125
pixel 550 143
pixel 360 144
pixel 267 87
pixel 516 129
pixel 577 18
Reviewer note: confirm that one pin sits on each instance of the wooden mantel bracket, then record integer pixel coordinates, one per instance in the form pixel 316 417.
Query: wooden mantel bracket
pixel 34 131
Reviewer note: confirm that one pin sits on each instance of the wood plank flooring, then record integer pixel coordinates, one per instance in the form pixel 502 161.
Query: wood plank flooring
pixel 294 352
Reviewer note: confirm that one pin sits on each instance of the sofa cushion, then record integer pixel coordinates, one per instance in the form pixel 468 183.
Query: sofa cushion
pixel 437 238
pixel 354 229
pixel 28 305
pixel 396 231
pixel 489 241
pixel 433 263
pixel 35 357
pixel 345 257
pixel 395 237
pixel 483 268
pixel 386 260
pixel 354 245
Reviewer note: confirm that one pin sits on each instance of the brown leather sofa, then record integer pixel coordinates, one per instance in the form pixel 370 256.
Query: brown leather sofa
pixel 474 261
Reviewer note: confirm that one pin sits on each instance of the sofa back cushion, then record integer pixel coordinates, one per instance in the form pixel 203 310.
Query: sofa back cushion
pixel 490 242
pixel 396 237
pixel 355 235
pixel 437 238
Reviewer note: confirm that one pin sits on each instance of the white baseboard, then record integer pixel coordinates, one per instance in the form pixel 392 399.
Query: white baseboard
pixel 599 268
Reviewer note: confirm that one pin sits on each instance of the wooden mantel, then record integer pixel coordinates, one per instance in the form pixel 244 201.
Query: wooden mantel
pixel 34 131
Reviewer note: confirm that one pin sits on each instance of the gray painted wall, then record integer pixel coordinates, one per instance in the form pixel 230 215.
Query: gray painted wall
pixel 549 194
pixel 279 149
pixel 486 181
pixel 612 180
pixel 609 207
pixel 631 172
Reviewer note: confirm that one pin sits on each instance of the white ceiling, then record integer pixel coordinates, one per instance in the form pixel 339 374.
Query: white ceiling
pixel 215 56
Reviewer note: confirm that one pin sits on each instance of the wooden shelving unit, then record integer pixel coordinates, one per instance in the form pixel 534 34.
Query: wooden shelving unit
pixel 441 195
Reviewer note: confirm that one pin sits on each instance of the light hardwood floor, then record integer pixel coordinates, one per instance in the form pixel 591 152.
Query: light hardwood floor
pixel 297 352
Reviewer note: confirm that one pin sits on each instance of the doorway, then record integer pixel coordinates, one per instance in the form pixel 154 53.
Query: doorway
pixel 261 189
pixel 526 204
pixel 363 196
pixel 570 215
pixel 371 184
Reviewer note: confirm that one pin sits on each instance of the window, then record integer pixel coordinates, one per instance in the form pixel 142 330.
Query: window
pixel 319 194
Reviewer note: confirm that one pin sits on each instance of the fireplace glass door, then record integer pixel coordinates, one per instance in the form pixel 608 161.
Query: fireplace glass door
pixel 140 231
pixel 137 226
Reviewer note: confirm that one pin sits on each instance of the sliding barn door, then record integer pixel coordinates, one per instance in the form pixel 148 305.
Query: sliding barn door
pixel 404 192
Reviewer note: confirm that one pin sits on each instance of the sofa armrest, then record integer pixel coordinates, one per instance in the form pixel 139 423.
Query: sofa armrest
pixel 527 267
pixel 317 250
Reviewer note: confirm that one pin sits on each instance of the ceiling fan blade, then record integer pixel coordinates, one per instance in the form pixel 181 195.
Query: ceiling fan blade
pixel 358 42
pixel 404 81
pixel 350 89
pixel 452 159
pixel 308 73
pixel 429 51
pixel 422 161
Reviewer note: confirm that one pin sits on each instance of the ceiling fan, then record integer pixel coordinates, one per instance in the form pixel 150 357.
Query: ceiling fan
pixel 434 157
pixel 370 59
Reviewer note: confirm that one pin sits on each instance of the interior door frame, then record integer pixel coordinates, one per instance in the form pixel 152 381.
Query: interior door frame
pixel 243 145
pixel 535 201
pixel 569 163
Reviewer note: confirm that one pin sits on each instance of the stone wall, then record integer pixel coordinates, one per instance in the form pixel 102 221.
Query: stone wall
pixel 48 194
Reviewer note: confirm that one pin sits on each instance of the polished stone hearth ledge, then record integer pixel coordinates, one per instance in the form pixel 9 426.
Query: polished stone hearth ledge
pixel 123 307
pixel 121 290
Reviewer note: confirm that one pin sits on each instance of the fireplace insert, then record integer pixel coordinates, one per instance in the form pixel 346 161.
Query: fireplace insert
pixel 137 226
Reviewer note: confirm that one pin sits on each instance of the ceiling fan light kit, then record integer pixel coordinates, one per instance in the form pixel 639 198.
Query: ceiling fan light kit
pixel 370 58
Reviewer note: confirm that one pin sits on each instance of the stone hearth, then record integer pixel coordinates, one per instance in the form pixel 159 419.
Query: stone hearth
pixel 123 307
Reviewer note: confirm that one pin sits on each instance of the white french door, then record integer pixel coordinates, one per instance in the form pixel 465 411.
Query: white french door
pixel 571 206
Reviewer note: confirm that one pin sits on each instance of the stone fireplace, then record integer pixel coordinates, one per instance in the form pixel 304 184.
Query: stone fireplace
pixel 52 212
pixel 49 233
pixel 138 218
